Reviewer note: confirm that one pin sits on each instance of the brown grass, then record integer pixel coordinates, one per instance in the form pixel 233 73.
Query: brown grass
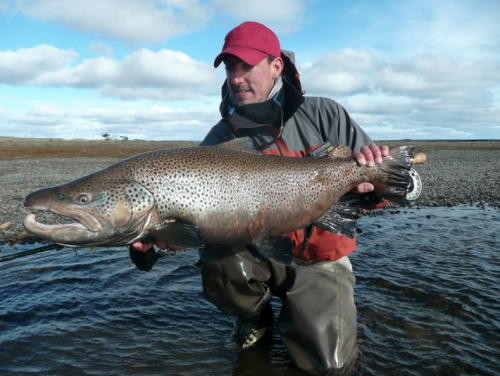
pixel 23 148
pixel 11 148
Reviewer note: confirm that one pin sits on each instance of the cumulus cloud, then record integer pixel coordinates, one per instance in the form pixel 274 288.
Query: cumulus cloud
pixel 457 28
pixel 153 21
pixel 445 96
pixel 427 74
pixel 28 65
pixel 146 68
pixel 3 7
pixel 133 21
pixel 164 74
pixel 339 73
pixel 283 16
pixel 152 123
pixel 350 72
pixel 434 72
pixel 101 49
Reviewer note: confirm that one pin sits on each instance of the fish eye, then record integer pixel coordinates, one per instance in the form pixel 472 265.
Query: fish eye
pixel 83 199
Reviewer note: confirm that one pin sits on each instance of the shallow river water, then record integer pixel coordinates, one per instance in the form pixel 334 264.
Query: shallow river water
pixel 427 293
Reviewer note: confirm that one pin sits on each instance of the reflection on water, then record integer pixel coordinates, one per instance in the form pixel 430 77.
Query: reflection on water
pixel 427 295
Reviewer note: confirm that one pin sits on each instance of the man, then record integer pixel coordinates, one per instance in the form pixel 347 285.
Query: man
pixel 263 100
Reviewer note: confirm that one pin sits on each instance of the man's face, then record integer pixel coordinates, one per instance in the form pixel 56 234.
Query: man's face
pixel 251 84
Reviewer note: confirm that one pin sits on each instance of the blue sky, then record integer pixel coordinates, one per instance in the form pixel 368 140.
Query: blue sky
pixel 144 69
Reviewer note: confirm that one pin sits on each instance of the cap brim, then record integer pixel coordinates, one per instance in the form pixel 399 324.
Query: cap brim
pixel 248 55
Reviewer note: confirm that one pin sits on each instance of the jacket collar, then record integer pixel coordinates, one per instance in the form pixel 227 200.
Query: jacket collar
pixel 293 100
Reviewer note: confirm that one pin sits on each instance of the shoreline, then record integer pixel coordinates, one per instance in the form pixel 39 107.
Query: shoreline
pixel 456 173
pixel 12 148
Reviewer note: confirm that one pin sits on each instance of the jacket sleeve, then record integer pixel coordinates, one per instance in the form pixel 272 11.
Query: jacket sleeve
pixel 219 133
pixel 348 132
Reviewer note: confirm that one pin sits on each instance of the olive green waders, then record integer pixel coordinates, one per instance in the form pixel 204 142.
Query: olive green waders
pixel 317 321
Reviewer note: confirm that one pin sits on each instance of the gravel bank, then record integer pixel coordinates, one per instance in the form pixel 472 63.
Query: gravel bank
pixel 23 176
pixel 450 178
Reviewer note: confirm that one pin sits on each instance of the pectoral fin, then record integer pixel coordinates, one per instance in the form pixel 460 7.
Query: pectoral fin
pixel 278 248
pixel 143 260
pixel 180 234
pixel 342 216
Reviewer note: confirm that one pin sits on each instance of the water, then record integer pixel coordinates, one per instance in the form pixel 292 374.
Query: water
pixel 427 296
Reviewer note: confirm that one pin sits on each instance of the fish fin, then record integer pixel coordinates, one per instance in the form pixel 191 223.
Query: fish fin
pixel 342 216
pixel 341 151
pixel 277 248
pixel 243 144
pixel 395 178
pixel 143 260
pixel 180 234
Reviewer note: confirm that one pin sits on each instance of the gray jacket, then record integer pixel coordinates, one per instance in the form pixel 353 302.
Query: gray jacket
pixel 306 123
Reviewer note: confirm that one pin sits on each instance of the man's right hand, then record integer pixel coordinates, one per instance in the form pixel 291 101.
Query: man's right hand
pixel 143 260
pixel 369 156
pixel 144 256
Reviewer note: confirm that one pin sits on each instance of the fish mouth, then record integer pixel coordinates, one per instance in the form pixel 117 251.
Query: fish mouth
pixel 83 221
pixel 75 234
pixel 30 223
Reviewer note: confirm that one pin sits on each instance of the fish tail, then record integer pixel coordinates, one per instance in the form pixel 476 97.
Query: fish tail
pixel 394 178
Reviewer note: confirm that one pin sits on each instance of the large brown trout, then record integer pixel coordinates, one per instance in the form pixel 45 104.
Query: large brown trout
pixel 227 194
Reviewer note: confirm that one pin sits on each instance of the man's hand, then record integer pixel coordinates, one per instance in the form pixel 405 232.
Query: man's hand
pixel 143 254
pixel 368 156
pixel 144 247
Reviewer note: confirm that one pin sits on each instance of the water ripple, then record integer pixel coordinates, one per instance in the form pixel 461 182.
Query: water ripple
pixel 427 295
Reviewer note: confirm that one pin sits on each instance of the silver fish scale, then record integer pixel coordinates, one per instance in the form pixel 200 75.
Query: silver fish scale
pixel 140 197
pixel 237 190
pixel 233 194
pixel 206 184
pixel 105 204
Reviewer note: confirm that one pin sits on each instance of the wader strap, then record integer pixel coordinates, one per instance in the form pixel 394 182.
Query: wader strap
pixel 307 235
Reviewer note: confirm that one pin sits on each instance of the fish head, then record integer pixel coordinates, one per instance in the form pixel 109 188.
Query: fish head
pixel 106 212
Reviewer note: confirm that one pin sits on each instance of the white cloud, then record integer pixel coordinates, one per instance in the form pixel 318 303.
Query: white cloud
pixel 165 74
pixel 454 28
pixel 432 69
pixel 282 16
pixel 355 71
pixel 338 73
pixel 423 96
pixel 26 65
pixel 101 49
pixel 133 21
pixel 4 7
pixel 461 28
pixel 153 21
pixel 434 74
pixel 47 112
pixel 152 123
pixel 380 104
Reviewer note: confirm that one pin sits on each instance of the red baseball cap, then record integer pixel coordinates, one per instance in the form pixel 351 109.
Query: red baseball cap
pixel 252 42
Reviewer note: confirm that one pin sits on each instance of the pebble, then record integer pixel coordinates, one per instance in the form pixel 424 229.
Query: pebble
pixel 5 226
